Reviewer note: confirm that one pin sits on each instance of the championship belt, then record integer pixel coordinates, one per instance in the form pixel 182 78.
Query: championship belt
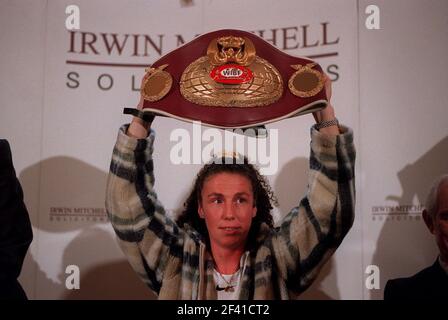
pixel 232 79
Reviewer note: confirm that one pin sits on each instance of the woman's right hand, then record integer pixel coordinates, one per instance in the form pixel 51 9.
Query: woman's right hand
pixel 138 128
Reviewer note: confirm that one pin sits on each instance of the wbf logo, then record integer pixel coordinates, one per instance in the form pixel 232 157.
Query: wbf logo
pixel 231 74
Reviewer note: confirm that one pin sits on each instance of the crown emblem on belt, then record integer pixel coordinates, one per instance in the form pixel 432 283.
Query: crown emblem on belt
pixel 231 49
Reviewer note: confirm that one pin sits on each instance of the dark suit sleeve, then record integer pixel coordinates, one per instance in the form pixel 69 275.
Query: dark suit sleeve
pixel 389 291
pixel 15 227
pixel 430 283
pixel 399 289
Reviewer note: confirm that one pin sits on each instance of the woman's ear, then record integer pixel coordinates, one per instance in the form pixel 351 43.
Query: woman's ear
pixel 201 212
pixel 254 211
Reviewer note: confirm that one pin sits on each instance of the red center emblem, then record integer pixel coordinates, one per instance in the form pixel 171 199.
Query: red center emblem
pixel 231 74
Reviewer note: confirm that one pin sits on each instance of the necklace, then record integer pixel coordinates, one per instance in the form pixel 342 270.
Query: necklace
pixel 230 286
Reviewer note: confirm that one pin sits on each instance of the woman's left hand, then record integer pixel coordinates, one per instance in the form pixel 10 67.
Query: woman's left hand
pixel 327 114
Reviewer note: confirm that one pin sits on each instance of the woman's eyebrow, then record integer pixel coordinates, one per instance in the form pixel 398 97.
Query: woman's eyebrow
pixel 214 194
pixel 217 194
pixel 242 193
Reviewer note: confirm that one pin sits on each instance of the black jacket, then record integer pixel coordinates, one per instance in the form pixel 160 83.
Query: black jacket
pixel 15 227
pixel 429 284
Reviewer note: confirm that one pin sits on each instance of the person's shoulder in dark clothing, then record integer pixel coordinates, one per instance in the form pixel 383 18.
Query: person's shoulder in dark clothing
pixel 429 284
pixel 15 227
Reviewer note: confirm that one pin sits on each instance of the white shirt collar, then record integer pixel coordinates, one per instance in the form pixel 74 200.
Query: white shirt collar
pixel 222 295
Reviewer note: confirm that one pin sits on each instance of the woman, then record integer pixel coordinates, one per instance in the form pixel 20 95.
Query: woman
pixel 224 245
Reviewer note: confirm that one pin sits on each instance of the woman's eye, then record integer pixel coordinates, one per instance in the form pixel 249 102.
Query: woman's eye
pixel 241 200
pixel 217 201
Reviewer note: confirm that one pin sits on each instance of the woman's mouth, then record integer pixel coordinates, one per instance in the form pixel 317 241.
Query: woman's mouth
pixel 230 230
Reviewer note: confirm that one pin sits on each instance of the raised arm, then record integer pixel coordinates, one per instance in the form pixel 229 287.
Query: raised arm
pixel 146 235
pixel 312 231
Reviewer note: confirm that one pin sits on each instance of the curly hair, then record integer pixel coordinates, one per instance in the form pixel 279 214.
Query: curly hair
pixel 262 193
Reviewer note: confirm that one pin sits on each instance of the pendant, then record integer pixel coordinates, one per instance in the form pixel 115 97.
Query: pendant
pixel 229 289
pixel 226 289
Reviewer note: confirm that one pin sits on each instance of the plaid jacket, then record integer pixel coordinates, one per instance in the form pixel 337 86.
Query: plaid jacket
pixel 173 260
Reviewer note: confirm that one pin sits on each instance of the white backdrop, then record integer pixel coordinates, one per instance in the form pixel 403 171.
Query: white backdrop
pixel 61 118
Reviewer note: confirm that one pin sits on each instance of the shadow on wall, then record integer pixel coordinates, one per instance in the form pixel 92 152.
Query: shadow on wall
pixel 77 189
pixel 290 187
pixel 65 184
pixel 405 245
pixel 113 279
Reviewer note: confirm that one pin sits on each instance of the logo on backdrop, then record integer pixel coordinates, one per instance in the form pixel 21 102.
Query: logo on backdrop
pixel 77 214
pixel 415 180
pixel 109 52
pixel 399 212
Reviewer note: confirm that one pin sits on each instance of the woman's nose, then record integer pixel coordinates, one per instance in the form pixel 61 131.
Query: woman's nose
pixel 228 211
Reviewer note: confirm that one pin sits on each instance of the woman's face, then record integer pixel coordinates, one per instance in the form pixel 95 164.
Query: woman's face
pixel 227 205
